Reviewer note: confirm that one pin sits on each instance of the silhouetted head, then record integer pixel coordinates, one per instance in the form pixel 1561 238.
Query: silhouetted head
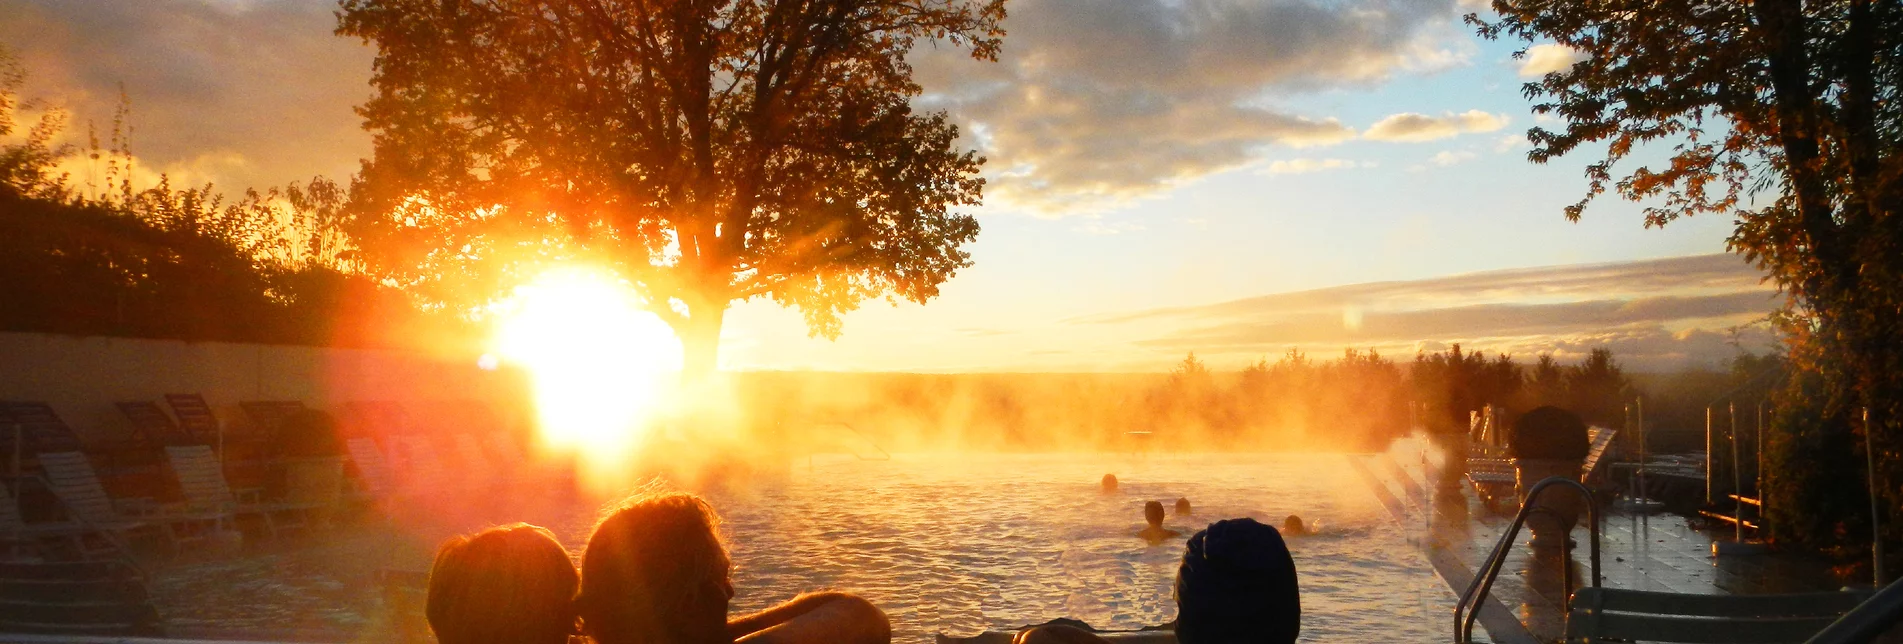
pixel 1182 506
pixel 656 571
pixel 511 584
pixel 1153 513
pixel 1109 482
pixel 1237 584
pixel 1294 525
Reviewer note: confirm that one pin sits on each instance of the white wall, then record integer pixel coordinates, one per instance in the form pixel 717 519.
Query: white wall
pixel 83 376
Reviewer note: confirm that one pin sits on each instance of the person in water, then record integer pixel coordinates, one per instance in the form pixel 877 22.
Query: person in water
pixel 510 584
pixel 1182 507
pixel 1155 532
pixel 656 572
pixel 1237 583
pixel 1109 483
pixel 1294 527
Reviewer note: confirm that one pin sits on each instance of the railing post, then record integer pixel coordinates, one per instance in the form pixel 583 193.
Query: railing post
pixel 1876 522
pixel 1757 483
pixel 1737 478
pixel 1467 609
pixel 1708 451
pixel 1638 418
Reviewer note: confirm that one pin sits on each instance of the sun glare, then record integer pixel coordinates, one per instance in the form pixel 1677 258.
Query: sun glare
pixel 599 362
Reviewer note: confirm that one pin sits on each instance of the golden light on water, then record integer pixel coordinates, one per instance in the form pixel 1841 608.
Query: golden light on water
pixel 599 362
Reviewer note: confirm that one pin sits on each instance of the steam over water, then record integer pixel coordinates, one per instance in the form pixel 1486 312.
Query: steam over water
pixel 957 544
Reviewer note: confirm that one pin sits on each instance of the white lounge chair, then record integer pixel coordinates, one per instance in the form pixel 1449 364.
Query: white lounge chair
pixel 17 532
pixel 73 481
pixel 202 480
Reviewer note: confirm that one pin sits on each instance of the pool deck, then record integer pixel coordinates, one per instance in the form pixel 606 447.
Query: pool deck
pixel 1638 551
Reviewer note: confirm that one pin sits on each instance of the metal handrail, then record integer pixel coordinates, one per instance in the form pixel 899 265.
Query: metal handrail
pixel 1870 619
pixel 1468 609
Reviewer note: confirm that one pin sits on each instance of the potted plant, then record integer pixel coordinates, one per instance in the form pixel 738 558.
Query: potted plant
pixel 1547 442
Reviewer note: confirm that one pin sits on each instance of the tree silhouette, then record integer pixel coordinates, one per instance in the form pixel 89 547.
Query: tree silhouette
pixel 1546 382
pixel 1795 102
pixel 709 151
pixel 1594 388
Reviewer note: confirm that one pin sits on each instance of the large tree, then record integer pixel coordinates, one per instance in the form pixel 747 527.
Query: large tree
pixel 1784 114
pixel 710 151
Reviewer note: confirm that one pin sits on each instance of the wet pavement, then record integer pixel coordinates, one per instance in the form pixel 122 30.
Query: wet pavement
pixel 1638 551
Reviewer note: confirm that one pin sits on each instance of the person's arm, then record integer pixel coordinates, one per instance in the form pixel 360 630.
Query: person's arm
pixel 1057 634
pixel 815 618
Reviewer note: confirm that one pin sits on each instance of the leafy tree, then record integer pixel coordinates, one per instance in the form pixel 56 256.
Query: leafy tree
pixel 710 151
pixel 1795 102
pixel 26 168
pixel 180 263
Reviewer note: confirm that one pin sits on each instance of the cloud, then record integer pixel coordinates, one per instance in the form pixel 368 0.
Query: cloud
pixel 1098 227
pixel 1093 104
pixel 1305 166
pixel 249 93
pixel 1541 60
pixel 1409 127
pixel 1510 142
pixel 1691 275
pixel 1668 309
pixel 1445 159
pixel 1470 322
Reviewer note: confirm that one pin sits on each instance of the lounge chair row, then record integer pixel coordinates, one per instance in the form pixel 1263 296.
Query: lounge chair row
pixel 209 505
pixel 382 458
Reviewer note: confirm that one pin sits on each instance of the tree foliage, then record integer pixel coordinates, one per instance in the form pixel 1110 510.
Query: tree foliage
pixel 1784 114
pixel 159 261
pixel 710 151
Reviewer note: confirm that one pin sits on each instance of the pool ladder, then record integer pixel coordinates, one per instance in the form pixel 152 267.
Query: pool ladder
pixel 1470 601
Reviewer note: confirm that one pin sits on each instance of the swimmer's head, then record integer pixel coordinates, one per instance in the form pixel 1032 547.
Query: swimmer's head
pixel 1153 513
pixel 1182 506
pixel 1109 482
pixel 1293 525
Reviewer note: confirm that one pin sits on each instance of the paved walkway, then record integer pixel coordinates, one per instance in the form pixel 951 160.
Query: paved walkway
pixel 1659 552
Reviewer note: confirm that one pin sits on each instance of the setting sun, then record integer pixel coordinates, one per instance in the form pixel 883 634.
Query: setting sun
pixel 599 362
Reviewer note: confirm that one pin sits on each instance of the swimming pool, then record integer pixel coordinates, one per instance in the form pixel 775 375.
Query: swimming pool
pixel 944 543
pixel 958 544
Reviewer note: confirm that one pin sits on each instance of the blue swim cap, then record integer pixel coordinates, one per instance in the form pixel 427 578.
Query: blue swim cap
pixel 1237 586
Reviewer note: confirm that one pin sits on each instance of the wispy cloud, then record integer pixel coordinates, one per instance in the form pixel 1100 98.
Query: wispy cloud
pixel 1095 104
pixel 1100 227
pixel 1446 158
pixel 1409 127
pixel 246 93
pixel 1305 166
pixel 1658 305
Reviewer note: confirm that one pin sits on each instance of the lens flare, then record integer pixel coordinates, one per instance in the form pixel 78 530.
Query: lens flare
pixel 599 362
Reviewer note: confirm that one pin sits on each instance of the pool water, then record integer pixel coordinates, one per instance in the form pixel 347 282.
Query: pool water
pixel 958 544
pixel 950 544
